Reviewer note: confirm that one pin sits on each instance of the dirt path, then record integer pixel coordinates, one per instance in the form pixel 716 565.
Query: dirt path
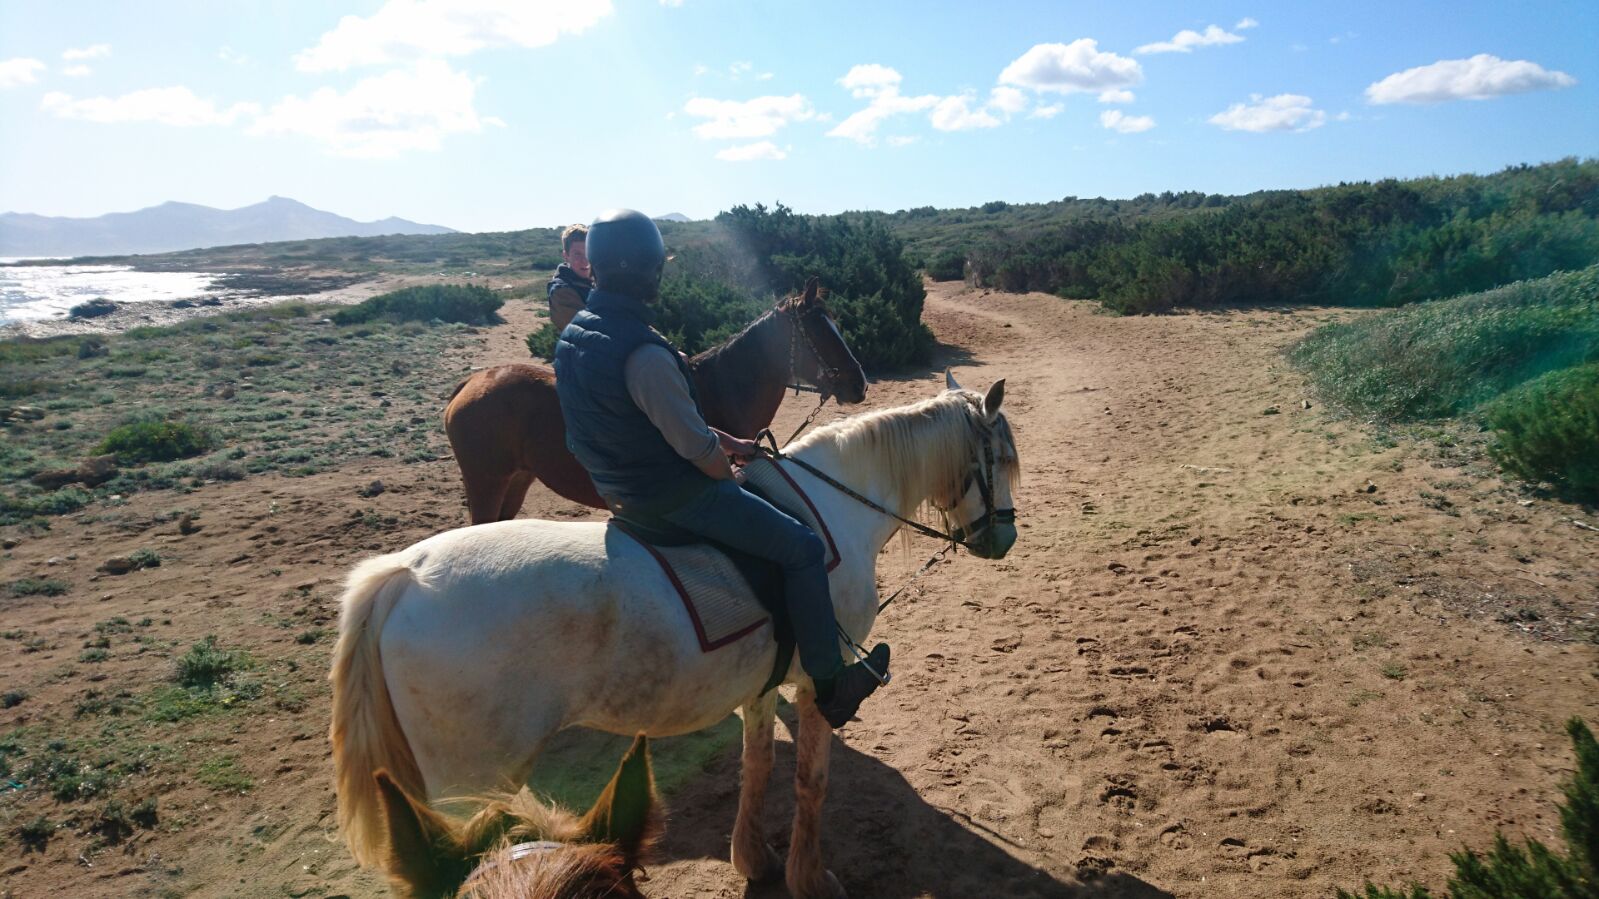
pixel 1233 653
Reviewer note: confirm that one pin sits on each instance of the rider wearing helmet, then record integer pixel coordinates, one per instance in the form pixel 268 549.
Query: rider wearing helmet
pixel 633 421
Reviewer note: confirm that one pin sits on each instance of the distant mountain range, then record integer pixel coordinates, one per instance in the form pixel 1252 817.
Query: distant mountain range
pixel 673 217
pixel 185 226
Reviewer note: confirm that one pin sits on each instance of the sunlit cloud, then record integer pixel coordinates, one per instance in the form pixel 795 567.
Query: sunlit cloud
pixel 761 150
pixel 19 71
pixel 1117 96
pixel 1116 120
pixel 1284 112
pixel 79 71
pixel 403 110
pixel 1186 40
pixel 1067 68
pixel 743 119
pixel 1246 22
pixel 230 55
pixel 1046 111
pixel 902 140
pixel 1479 78
pixel 177 106
pixel 407 29
pixel 879 84
pixel 956 114
pixel 95 51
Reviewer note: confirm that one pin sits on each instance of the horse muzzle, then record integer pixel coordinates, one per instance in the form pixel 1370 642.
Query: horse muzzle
pixel 992 538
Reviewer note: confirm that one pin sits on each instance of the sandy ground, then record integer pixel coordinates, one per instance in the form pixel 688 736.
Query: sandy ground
pixel 1234 653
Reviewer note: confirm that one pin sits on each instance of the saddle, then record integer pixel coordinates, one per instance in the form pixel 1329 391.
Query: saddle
pixel 729 594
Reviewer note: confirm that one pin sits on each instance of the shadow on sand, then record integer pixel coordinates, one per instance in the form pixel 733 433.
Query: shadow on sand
pixel 880 837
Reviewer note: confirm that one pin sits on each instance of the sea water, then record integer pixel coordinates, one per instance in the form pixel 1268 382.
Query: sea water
pixel 35 292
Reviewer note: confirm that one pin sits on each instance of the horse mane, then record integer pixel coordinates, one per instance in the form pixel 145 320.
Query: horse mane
pixel 735 344
pixel 920 450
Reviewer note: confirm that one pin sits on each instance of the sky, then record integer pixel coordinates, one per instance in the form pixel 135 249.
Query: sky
pixel 491 115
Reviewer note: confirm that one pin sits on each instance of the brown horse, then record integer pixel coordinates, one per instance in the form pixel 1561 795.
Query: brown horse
pixel 505 422
pixel 517 847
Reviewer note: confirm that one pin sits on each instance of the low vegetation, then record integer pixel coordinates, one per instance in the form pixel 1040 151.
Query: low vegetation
pixel 461 303
pixel 1521 359
pixel 1534 871
pixel 272 389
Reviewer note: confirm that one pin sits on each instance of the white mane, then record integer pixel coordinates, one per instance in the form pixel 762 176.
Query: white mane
pixel 921 451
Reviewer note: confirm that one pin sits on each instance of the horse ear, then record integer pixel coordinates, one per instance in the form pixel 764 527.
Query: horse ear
pixel 993 399
pixel 949 380
pixel 625 812
pixel 811 285
pixel 424 851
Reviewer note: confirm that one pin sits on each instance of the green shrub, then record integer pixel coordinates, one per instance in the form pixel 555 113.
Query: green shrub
pixel 948 265
pixel 205 666
pixel 541 343
pixel 1548 430
pixel 1536 872
pixel 463 303
pixel 1449 356
pixel 21 508
pixel 152 440
pixel 29 586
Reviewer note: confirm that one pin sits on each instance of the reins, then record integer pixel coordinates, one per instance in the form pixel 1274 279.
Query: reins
pixel 797 331
pixel 951 540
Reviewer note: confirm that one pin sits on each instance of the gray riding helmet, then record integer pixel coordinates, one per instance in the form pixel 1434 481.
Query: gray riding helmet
pixel 627 253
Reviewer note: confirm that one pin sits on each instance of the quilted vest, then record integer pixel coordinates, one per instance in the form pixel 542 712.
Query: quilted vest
pixel 624 453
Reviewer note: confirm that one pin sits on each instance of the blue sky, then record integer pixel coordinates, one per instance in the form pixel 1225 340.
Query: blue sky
pixel 495 114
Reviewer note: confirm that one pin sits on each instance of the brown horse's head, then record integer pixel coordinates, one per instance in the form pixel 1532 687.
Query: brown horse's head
pixel 819 354
pixel 517 846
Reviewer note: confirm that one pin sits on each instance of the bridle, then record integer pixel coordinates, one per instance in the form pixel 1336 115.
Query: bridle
pixel 797 332
pixel 957 536
pixel 515 854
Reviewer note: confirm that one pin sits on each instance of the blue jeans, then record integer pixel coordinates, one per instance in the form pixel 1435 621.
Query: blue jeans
pixel 730 515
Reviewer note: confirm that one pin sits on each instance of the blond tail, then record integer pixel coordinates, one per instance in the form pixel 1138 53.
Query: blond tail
pixel 366 734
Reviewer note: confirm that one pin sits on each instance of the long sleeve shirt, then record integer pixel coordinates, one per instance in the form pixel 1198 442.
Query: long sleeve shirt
pixel 657 386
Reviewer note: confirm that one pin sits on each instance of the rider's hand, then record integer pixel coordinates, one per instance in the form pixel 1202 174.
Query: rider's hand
pixel 741 450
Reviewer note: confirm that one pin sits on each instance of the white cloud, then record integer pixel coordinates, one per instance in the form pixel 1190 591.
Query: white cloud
pixel 77 71
pixel 741 119
pixel 406 29
pixel 764 76
pixel 1186 40
pixel 869 80
pixel 1048 111
pixel 1246 22
pixel 177 106
pixel 1117 96
pixel 91 52
pixel 752 152
pixel 1478 78
pixel 382 116
pixel 1284 112
pixel 21 70
pixel 902 140
pixel 880 84
pixel 955 114
pixel 228 54
pixel 1008 100
pixel 1065 68
pixel 701 69
pixel 1115 120
pixel 738 69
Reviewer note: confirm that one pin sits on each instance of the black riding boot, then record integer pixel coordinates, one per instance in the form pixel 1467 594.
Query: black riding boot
pixel 838 698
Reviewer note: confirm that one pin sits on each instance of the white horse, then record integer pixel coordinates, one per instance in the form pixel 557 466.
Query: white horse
pixel 459 657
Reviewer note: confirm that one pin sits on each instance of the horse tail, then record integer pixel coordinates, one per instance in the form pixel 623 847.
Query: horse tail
pixel 366 733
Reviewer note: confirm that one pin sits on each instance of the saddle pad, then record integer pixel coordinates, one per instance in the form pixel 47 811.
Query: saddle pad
pixel 769 479
pixel 718 599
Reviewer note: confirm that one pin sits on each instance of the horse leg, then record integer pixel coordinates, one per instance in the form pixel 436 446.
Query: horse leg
pixel 485 494
pixel 515 493
pixel 753 857
pixel 807 878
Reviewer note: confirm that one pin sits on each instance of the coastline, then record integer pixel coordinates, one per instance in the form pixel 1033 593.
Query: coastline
pixel 157 313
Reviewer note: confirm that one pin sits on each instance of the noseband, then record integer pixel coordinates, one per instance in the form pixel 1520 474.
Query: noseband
pixel 983 476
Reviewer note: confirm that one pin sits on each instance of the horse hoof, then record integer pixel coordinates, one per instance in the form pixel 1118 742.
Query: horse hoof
pixel 761 866
pixel 825 887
